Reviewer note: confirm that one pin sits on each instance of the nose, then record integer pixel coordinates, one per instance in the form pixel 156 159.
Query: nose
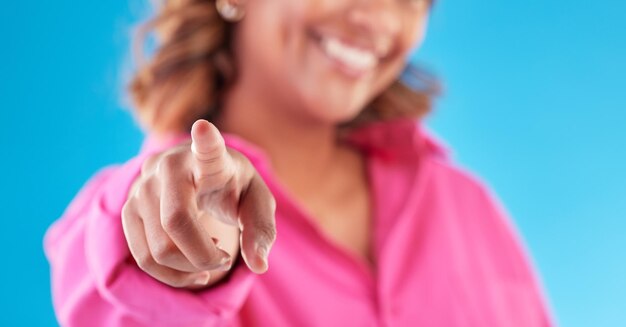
pixel 378 18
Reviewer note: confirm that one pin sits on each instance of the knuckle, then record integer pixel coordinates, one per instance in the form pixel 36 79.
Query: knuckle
pixel 127 210
pixel 176 221
pixel 214 152
pixel 218 177
pixel 244 167
pixel 168 164
pixel 164 251
pixel 148 164
pixel 264 189
pixel 145 262
pixel 265 230
pixel 145 190
pixel 216 157
pixel 238 157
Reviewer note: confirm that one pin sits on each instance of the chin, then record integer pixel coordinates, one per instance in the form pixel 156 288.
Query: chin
pixel 334 113
pixel 329 103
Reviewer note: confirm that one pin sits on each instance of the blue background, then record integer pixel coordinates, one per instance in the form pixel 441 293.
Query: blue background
pixel 534 103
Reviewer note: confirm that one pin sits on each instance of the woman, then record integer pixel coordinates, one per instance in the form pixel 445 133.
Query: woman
pixel 312 135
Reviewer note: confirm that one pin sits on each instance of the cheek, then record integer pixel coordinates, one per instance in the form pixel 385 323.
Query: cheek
pixel 285 62
pixel 269 36
pixel 410 41
pixel 415 33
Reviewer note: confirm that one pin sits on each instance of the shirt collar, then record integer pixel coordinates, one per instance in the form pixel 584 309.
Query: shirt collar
pixel 400 138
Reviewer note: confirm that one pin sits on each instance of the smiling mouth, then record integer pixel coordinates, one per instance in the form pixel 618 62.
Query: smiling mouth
pixel 352 60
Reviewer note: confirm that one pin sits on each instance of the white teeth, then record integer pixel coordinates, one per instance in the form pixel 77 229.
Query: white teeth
pixel 356 59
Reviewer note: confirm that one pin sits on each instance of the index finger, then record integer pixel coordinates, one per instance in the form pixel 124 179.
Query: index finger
pixel 213 167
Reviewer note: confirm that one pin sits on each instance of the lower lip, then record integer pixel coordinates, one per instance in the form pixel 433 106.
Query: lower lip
pixel 339 65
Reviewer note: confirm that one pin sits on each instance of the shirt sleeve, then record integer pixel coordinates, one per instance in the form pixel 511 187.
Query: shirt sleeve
pixel 94 280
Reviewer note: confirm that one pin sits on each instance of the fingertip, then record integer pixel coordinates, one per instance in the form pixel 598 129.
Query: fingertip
pixel 202 279
pixel 205 137
pixel 201 123
pixel 205 130
pixel 255 262
pixel 199 127
pixel 262 252
pixel 261 267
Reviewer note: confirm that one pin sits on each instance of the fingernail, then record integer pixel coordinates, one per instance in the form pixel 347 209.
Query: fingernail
pixel 202 279
pixel 225 263
pixel 262 252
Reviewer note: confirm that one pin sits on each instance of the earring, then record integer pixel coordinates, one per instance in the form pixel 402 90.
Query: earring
pixel 230 12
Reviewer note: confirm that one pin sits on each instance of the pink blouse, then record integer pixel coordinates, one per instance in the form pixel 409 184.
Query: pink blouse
pixel 446 253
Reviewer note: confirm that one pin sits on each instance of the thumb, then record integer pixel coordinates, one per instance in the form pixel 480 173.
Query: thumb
pixel 258 225
pixel 213 166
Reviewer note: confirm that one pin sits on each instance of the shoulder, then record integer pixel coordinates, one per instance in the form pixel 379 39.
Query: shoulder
pixel 475 203
pixel 486 235
pixel 450 174
pixel 483 222
pixel 474 198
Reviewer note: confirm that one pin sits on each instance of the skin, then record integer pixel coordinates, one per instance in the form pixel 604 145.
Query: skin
pixel 289 97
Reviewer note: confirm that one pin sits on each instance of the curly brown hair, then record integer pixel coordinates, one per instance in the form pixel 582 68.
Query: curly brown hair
pixel 193 66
